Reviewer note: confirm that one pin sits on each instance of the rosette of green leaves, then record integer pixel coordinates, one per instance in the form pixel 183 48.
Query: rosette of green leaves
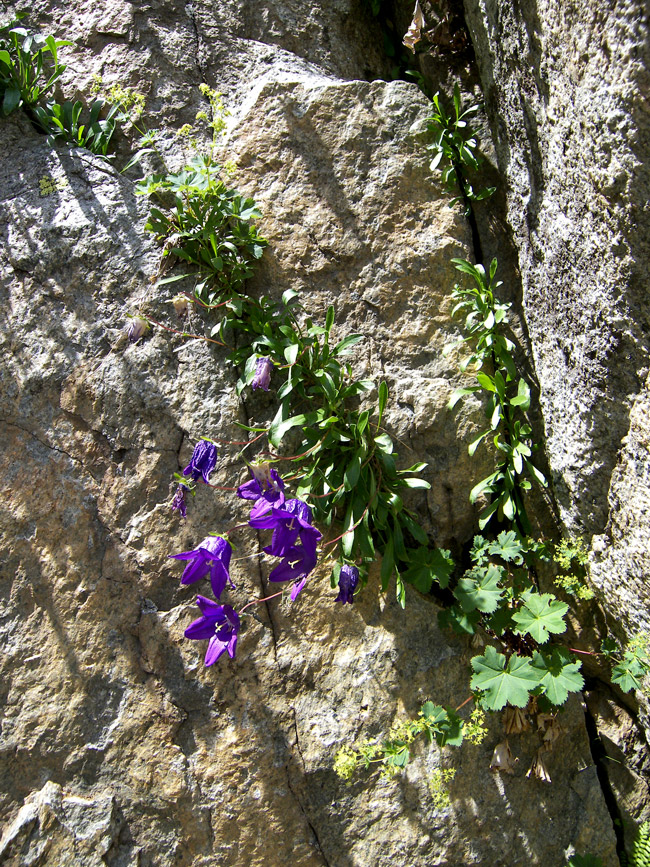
pixel 456 147
pixel 207 225
pixel 508 397
pixel 67 123
pixel 29 65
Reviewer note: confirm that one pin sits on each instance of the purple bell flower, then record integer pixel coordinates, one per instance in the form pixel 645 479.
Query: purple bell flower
pixel 178 503
pixel 212 556
pixel 138 327
pixel 348 580
pixel 219 623
pixel 203 461
pixel 296 565
pixel 262 378
pixel 288 522
pixel 266 488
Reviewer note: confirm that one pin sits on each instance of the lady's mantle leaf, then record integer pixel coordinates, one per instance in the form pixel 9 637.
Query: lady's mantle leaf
pixel 480 589
pixel 558 673
pixel 542 613
pixel 503 682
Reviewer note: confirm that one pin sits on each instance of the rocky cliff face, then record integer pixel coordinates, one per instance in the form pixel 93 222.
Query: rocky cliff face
pixel 117 747
pixel 565 89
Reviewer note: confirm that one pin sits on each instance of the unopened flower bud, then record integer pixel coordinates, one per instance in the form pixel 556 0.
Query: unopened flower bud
pixel 262 378
pixel 180 303
pixel 137 328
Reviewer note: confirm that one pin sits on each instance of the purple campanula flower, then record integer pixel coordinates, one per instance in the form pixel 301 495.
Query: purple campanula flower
pixel 296 565
pixel 137 328
pixel 348 580
pixel 288 522
pixel 203 461
pixel 266 488
pixel 219 623
pixel 178 503
pixel 262 378
pixel 212 556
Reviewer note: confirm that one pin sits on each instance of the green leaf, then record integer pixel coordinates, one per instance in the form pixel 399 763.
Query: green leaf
pixel 584 861
pixel 327 384
pixel 415 483
pixel 484 485
pixel 475 443
pixel 523 396
pixel 329 320
pixel 387 565
pixel 503 682
pixel 487 514
pixel 461 623
pixel 11 99
pixel 536 474
pixel 428 565
pixel 541 615
pixel 467 268
pixel 383 397
pixel 291 353
pixel 480 589
pixel 352 471
pixel 385 443
pixel 444 724
pixel 487 382
pixel 288 296
pixel 628 673
pixel 347 343
pixel 558 673
pixel 279 428
pixel 508 547
pixel 400 590
pixel 459 393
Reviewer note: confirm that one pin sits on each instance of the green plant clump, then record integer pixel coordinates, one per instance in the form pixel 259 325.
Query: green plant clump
pixel 66 123
pixel 508 397
pixel 456 148
pixel 29 65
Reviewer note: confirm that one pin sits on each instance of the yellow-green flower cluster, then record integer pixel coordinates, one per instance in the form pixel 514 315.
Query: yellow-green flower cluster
pixel 437 784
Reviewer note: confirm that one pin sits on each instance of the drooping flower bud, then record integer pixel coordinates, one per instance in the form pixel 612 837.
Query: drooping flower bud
pixel 138 327
pixel 180 303
pixel 178 503
pixel 262 378
pixel 348 580
pixel 203 461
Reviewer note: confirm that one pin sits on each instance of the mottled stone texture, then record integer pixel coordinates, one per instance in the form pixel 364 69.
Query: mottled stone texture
pixel 117 747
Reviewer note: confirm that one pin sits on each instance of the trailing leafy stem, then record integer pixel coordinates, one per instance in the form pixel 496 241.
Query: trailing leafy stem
pixel 456 148
pixel 344 462
pixel 492 363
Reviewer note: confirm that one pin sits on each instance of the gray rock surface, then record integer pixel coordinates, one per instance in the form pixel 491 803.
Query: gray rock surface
pixel 564 89
pixel 117 746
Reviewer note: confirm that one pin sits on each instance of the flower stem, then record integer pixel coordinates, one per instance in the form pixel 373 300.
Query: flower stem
pixel 256 601
pixel 183 333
